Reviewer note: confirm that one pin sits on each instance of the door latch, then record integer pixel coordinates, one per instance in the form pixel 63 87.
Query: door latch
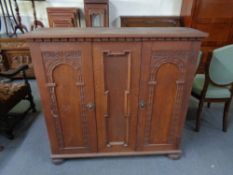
pixel 90 106
pixel 142 104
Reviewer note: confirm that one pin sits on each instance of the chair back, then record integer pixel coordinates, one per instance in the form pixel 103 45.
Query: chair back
pixel 221 66
pixel 199 58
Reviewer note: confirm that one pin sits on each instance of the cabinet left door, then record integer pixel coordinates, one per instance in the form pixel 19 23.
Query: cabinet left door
pixel 65 77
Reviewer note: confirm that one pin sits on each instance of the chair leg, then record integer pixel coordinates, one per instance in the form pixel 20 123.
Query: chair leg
pixel 225 115
pixel 10 135
pixel 1 148
pixel 208 104
pixel 31 100
pixel 198 118
pixel 30 97
pixel 33 106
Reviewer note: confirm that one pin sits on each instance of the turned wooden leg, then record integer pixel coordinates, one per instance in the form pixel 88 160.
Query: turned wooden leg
pixel 10 135
pixel 57 161
pixel 174 156
pixel 1 148
pixel 225 115
pixel 198 118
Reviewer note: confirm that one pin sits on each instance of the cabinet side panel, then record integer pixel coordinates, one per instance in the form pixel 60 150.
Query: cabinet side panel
pixel 40 78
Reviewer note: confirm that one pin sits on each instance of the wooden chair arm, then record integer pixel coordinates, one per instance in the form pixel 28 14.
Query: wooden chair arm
pixel 12 73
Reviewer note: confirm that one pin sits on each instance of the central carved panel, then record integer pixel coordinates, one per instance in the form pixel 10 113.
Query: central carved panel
pixel 117 77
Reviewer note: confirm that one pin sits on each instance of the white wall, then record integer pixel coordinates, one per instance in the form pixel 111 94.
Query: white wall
pixel 117 8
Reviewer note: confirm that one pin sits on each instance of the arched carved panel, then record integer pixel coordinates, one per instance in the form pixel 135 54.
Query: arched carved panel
pixel 167 74
pixel 64 69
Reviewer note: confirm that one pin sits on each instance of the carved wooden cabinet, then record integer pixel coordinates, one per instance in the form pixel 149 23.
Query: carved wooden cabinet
pixel 63 17
pixel 120 91
pixel 96 13
pixel 14 52
pixel 212 16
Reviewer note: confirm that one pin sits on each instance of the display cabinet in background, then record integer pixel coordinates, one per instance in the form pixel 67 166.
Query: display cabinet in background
pixel 96 13
pixel 150 21
pixel 63 17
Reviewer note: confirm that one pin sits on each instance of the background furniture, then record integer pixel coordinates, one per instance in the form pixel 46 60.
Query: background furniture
pixel 216 85
pixel 96 13
pixel 141 79
pixel 36 23
pixel 212 16
pixel 63 17
pixel 15 51
pixel 150 21
pixel 12 23
pixel 10 95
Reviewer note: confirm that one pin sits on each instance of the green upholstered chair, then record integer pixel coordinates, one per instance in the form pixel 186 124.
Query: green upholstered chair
pixel 216 85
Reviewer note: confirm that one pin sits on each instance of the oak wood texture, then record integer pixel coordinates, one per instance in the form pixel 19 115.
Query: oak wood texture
pixel 15 52
pixel 63 17
pixel 150 21
pixel 212 16
pixel 109 92
pixel 96 7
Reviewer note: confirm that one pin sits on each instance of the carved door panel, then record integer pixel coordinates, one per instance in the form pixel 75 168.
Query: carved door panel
pixel 116 74
pixel 69 81
pixel 161 95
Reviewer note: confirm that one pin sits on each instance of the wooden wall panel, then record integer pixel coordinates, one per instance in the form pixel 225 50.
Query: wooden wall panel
pixel 212 16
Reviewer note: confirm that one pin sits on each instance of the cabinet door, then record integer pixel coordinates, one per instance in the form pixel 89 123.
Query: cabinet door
pixel 162 103
pixel 70 90
pixel 116 74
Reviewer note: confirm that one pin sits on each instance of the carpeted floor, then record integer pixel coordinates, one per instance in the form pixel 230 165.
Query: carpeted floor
pixel 209 152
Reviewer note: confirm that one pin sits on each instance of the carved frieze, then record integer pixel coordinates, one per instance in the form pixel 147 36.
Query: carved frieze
pixel 117 39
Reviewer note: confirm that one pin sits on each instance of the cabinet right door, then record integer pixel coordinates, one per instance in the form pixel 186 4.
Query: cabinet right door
pixel 163 94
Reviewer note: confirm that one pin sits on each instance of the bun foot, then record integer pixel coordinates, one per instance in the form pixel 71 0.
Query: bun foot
pixel 57 161
pixel 175 156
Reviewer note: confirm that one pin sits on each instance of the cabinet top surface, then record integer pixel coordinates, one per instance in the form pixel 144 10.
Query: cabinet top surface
pixel 131 32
